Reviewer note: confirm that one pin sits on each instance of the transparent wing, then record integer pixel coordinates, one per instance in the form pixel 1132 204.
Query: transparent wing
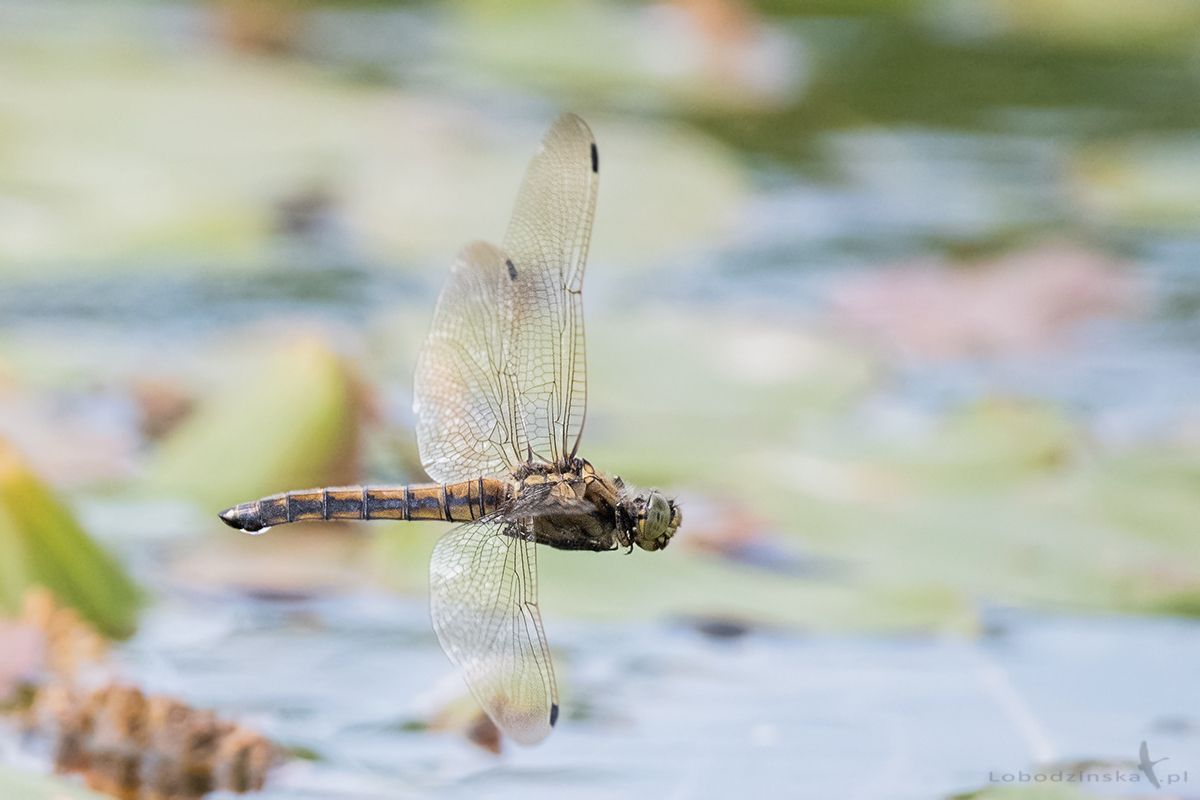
pixel 502 373
pixel 483 599
pixel 466 386
pixel 547 240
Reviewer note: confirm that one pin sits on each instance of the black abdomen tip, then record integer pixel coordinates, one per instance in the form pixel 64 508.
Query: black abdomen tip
pixel 553 714
pixel 235 520
pixel 595 158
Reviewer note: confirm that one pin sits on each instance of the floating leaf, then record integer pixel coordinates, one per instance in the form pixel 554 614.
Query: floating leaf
pixel 1042 791
pixel 679 583
pixel 41 544
pixel 987 445
pixel 288 423
pixel 713 56
pixel 16 785
pixel 1100 24
pixel 208 153
pixel 1022 302
pixel 1143 180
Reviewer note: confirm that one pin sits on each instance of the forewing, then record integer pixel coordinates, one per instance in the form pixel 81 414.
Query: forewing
pixel 483 599
pixel 547 241
pixel 466 389
pixel 502 374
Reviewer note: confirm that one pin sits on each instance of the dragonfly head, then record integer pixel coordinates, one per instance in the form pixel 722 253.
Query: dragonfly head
pixel 657 520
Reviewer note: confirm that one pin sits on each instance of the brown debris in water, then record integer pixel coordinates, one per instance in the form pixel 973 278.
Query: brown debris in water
pixel 462 716
pixel 485 734
pixel 135 747
pixel 127 744
pixel 46 639
pixel 70 642
pixel 163 405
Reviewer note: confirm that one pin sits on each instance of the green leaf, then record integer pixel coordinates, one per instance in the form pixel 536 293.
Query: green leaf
pixel 18 785
pixel 286 422
pixel 41 544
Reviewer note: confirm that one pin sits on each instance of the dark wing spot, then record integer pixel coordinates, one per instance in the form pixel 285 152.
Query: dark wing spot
pixel 512 269
pixel 553 714
pixel 595 158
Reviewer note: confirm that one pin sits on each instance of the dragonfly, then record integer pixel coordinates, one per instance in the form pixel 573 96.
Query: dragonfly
pixel 500 395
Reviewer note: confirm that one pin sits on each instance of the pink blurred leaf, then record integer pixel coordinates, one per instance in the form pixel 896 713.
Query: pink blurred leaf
pixel 1017 304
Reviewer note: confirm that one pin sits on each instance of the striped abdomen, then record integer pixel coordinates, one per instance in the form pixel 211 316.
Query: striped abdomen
pixel 451 502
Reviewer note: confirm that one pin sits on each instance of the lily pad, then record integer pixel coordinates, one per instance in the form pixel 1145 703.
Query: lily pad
pixel 718 56
pixel 41 544
pixel 1153 25
pixel 985 446
pixel 208 153
pixel 287 420
pixel 1043 792
pixel 1147 181
pixel 19 785
pixel 680 583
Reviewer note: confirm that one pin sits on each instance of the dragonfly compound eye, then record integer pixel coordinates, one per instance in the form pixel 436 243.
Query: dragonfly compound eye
pixel 658 518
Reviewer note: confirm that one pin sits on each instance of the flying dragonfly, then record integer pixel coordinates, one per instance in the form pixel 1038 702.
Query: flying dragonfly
pixel 500 395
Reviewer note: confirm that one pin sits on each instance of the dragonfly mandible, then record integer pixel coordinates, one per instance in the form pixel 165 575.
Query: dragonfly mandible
pixel 500 396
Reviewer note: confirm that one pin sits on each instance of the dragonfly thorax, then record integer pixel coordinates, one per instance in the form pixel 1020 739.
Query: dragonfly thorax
pixel 574 507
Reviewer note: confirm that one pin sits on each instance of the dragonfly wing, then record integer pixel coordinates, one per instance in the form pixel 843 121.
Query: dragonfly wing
pixel 465 389
pixel 502 374
pixel 547 241
pixel 483 599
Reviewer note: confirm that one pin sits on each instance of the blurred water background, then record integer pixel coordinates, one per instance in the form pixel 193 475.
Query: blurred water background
pixel 897 298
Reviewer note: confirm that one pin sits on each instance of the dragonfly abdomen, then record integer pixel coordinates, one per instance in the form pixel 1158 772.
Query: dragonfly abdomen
pixel 450 502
